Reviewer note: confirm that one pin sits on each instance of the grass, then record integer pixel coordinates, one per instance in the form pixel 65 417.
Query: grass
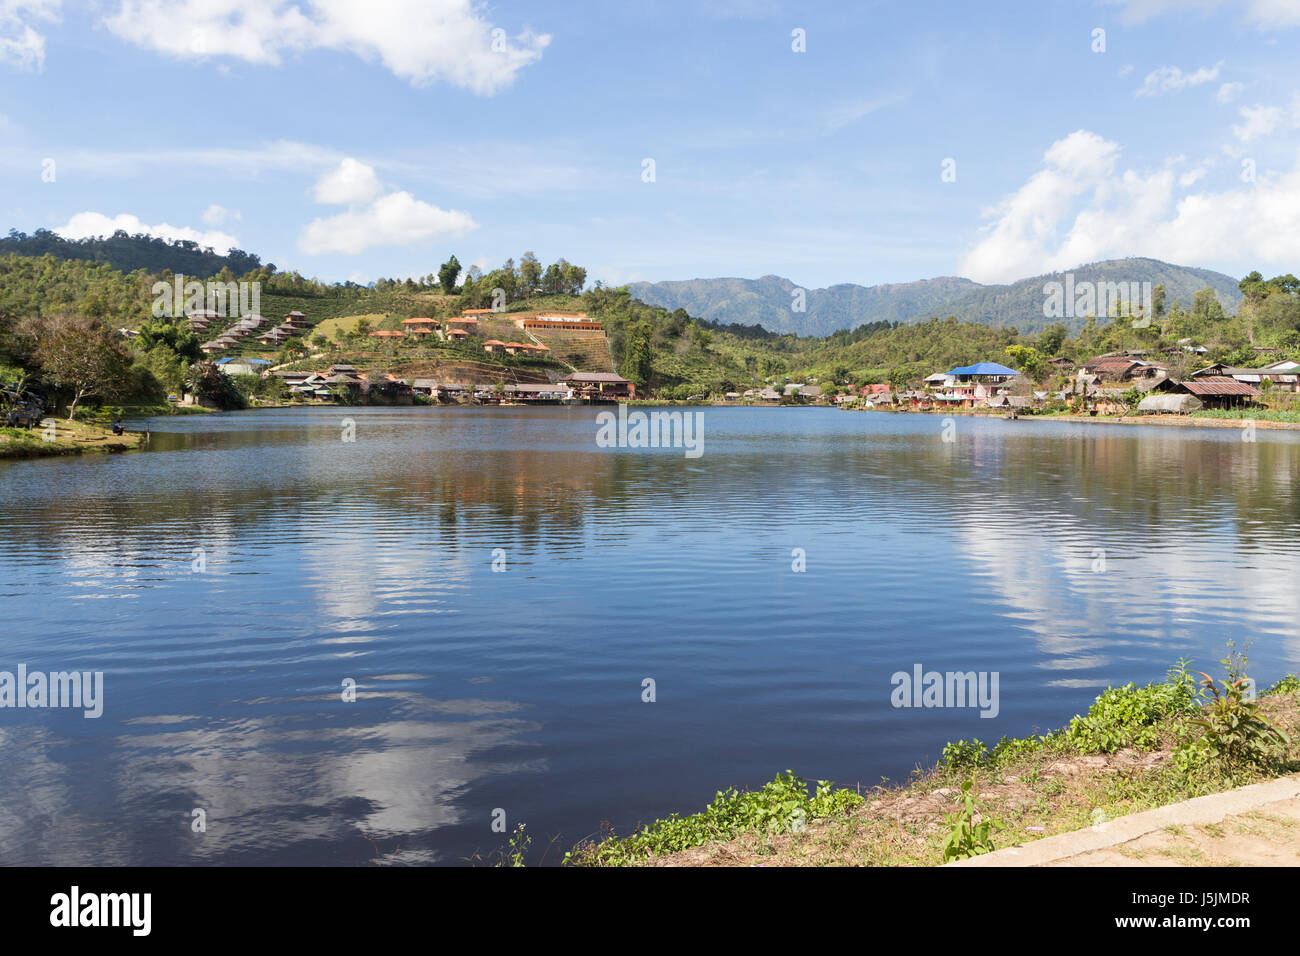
pixel 1252 414
pixel 70 438
pixel 1137 748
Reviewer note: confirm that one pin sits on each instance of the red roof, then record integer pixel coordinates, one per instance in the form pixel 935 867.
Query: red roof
pixel 1220 385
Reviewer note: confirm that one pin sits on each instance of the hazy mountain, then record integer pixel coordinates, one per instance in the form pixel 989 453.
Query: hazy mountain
pixel 768 301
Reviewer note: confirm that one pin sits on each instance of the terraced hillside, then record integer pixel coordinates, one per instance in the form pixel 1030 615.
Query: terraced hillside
pixel 585 351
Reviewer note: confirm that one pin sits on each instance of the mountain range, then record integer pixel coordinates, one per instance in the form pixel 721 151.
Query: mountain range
pixel 769 301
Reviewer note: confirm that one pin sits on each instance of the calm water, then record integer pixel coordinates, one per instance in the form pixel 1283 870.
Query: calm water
pixel 522 690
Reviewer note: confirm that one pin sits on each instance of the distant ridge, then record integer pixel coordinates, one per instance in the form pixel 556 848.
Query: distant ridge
pixel 767 301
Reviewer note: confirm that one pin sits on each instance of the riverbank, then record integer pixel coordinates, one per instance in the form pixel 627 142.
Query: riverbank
pixel 1177 421
pixel 66 438
pixel 1135 750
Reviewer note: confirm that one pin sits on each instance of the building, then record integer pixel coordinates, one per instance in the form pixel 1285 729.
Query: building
pixel 1215 391
pixel 419 326
pixel 1169 403
pixel 381 334
pixel 1284 379
pixel 599 386
pixel 242 366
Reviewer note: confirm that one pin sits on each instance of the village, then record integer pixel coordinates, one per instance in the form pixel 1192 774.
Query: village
pixel 563 358
pixel 1111 384
pixel 547 374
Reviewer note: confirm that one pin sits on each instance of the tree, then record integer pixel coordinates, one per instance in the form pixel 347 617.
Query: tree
pixel 84 357
pixel 530 272
pixel 1030 361
pixel 447 275
pixel 637 355
pixel 1052 338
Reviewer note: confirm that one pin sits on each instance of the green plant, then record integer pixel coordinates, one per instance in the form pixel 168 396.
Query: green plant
pixel 964 754
pixel 1131 716
pixel 966 838
pixel 1233 732
pixel 1290 684
pixel 780 806
pixel 518 845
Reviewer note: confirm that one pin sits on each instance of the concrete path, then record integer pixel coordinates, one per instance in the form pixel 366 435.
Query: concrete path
pixel 1257 825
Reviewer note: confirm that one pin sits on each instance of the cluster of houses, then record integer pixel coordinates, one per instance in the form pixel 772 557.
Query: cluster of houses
pixel 1104 384
pixel 773 396
pixel 346 380
pixel 461 327
pixel 295 323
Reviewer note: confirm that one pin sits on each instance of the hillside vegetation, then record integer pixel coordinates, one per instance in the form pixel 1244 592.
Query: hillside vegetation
pixel 669 354
pixel 770 302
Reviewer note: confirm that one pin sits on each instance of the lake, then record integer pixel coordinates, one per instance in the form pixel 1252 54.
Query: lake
pixel 500 587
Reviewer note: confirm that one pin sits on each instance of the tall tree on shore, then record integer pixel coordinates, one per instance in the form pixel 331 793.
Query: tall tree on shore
pixel 84 357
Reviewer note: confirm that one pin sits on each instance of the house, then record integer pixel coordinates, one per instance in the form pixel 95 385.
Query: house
pixel 274 337
pixel 1168 403
pixel 464 323
pixel 419 326
pixel 216 345
pixel 493 345
pixel 1060 363
pixel 1114 368
pixel 769 394
pixel 381 334
pixel 242 366
pixel 811 392
pixel 457 335
pixel 1018 402
pixel 1285 380
pixel 600 386
pixel 1215 391
pixel 514 348
pixel 297 320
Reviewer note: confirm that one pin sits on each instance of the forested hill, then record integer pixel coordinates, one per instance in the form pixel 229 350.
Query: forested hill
pixel 127 253
pixel 768 301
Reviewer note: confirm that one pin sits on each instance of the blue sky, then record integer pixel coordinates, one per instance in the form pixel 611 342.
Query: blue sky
pixel 351 139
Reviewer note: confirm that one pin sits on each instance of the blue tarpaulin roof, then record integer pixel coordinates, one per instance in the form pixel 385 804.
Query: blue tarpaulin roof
pixel 984 368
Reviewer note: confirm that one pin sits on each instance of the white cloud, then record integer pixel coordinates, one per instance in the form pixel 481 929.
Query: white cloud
pixel 1170 79
pixel 20 45
pixel 1191 177
pixel 1258 121
pixel 422 41
pixel 393 220
pixel 84 225
pixel 215 215
pixel 1229 92
pixel 1075 211
pixel 350 182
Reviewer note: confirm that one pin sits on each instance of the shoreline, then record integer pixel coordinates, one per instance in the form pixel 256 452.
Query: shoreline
pixel 1176 421
pixel 1136 749
pixel 71 438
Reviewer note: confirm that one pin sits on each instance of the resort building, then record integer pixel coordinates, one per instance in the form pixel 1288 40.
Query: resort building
pixel 600 386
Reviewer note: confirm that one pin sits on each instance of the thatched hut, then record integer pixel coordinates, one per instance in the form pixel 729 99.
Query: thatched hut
pixel 1169 404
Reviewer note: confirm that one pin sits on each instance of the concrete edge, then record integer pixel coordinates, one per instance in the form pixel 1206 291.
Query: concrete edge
pixel 1208 809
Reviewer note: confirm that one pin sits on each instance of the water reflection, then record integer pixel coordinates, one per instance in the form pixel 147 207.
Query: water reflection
pixel 323 561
